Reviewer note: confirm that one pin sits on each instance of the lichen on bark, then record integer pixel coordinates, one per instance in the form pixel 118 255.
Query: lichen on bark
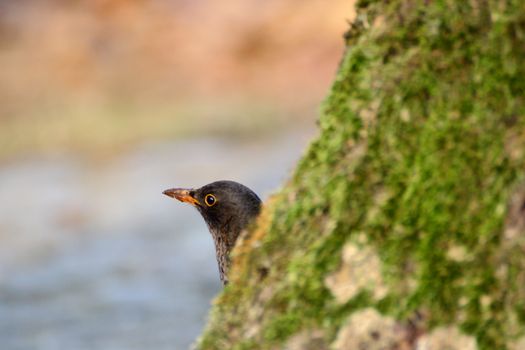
pixel 420 162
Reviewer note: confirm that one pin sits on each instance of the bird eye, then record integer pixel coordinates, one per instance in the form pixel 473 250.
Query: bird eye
pixel 210 200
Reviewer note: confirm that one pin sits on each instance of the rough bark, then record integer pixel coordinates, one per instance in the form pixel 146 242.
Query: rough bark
pixel 403 226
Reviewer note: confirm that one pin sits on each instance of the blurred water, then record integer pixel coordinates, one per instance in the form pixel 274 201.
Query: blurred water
pixel 95 257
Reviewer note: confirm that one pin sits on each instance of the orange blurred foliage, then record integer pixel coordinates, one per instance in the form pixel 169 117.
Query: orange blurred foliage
pixel 100 49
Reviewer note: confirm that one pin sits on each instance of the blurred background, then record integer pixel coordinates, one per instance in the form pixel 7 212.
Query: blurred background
pixel 104 104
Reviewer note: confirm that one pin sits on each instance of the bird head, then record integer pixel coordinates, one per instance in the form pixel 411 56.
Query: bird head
pixel 226 206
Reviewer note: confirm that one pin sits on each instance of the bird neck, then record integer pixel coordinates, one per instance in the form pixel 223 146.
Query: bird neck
pixel 224 240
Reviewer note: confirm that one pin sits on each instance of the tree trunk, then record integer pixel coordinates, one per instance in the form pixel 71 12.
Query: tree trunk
pixel 403 226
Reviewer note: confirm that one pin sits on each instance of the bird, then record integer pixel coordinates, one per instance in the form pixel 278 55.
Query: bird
pixel 227 207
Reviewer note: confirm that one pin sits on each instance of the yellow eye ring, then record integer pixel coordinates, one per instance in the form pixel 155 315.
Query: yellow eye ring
pixel 210 200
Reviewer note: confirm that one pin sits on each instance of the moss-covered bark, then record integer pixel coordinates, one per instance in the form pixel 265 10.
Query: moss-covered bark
pixel 405 219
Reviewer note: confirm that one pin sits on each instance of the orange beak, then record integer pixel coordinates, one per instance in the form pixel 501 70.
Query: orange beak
pixel 182 194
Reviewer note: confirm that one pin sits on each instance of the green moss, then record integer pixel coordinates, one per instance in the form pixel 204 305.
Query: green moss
pixel 281 327
pixel 414 154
